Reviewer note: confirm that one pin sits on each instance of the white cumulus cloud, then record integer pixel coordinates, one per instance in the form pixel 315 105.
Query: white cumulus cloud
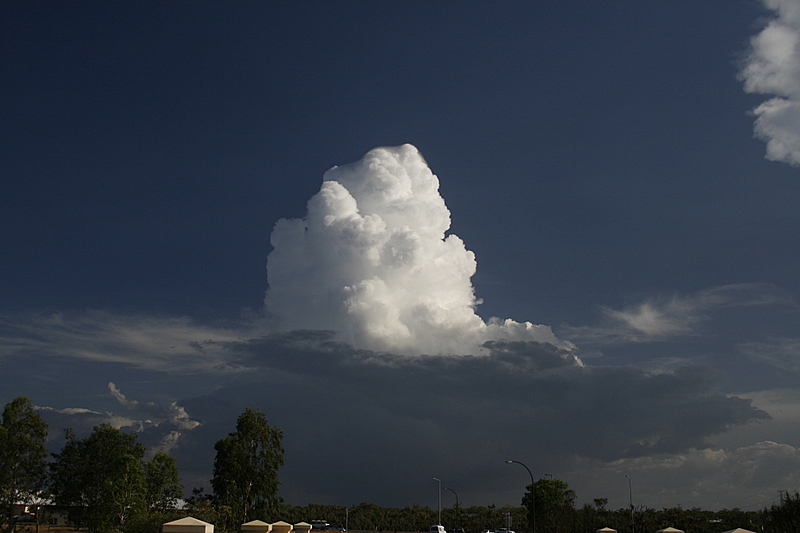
pixel 156 414
pixel 372 260
pixel 722 478
pixel 159 428
pixel 772 66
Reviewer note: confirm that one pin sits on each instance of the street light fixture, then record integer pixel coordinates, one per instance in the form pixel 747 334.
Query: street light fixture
pixel 440 499
pixel 533 495
pixel 458 510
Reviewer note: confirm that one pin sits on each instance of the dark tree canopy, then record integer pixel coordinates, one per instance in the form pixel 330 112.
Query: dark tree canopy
pixel 246 467
pixel 784 516
pixel 100 479
pixel 554 505
pixel 162 482
pixel 23 465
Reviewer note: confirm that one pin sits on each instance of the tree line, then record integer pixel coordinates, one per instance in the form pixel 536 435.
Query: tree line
pixel 104 483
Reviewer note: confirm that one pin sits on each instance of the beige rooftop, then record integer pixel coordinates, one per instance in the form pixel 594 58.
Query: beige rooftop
pixel 257 526
pixel 281 527
pixel 187 525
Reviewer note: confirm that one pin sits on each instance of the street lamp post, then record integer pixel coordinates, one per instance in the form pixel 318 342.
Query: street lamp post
pixel 440 499
pixel 533 495
pixel 458 510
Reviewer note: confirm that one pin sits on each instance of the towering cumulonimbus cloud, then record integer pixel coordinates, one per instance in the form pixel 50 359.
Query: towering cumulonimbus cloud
pixel 372 261
pixel 772 66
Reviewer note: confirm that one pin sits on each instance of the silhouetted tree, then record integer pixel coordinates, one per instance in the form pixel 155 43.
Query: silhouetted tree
pixel 23 465
pixel 162 483
pixel 554 505
pixel 783 517
pixel 99 479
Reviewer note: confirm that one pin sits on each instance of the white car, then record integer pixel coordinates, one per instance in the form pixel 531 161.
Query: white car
pixel 437 529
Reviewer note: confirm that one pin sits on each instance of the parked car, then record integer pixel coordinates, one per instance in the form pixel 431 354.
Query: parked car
pixel 437 529
pixel 25 517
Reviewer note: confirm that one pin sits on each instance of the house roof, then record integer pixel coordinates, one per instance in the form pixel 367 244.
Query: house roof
pixel 187 521
pixel 188 524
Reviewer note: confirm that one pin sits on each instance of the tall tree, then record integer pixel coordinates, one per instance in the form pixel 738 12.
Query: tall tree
pixel 554 505
pixel 162 481
pixel 23 456
pixel 99 479
pixel 785 516
pixel 245 476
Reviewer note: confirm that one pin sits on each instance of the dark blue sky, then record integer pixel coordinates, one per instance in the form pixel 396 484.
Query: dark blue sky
pixel 597 157
pixel 596 147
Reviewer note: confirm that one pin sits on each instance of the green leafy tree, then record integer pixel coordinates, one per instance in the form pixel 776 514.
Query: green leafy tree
pixel 100 480
pixel 162 482
pixel 245 476
pixel 162 492
pixel 783 517
pixel 554 505
pixel 23 456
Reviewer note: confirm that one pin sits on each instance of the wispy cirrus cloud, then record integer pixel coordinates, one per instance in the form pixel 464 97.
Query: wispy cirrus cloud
pixel 664 318
pixel 160 343
pixel 782 353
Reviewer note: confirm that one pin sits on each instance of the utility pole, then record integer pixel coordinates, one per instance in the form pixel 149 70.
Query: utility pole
pixel 630 500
